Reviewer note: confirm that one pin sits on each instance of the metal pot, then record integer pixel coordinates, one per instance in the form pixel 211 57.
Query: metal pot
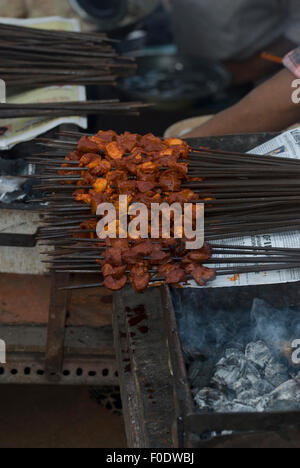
pixel 171 81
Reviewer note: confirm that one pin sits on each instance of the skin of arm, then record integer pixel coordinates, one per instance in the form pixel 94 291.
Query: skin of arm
pixel 255 67
pixel 268 108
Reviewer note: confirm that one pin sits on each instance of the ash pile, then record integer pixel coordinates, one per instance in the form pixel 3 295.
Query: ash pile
pixel 250 381
pixel 239 361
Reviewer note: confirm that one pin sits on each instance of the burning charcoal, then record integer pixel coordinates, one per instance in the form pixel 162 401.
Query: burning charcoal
pixel 286 397
pixel 234 406
pixel 258 353
pixel 242 385
pixel 276 373
pixel 230 369
pixel 209 399
pixel 235 372
pixel 248 396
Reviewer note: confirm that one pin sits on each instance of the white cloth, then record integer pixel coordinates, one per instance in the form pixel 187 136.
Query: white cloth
pixel 233 29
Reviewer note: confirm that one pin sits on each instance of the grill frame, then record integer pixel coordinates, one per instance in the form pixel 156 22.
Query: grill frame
pixel 253 430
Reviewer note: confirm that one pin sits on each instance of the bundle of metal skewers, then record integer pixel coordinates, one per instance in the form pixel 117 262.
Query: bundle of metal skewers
pixel 243 194
pixel 65 109
pixel 32 58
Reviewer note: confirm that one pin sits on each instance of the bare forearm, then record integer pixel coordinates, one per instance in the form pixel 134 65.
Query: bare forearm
pixel 268 108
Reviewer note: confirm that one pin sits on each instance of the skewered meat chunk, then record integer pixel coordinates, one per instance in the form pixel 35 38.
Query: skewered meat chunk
pixel 107 136
pixel 151 143
pixel 127 187
pixel 145 187
pixel 100 185
pixel 113 256
pixel 88 179
pixel 198 256
pixel 141 249
pixel 115 284
pixel 181 168
pixel 96 200
pixel 85 198
pixel 120 244
pixel 173 273
pixel 85 145
pixel 139 277
pixel 179 145
pixel 158 256
pixel 201 275
pixel 99 168
pixel 114 150
pixel 115 272
pixel 185 196
pixel 169 181
pixel 114 177
pixel 128 141
pixel 89 158
pixel 74 156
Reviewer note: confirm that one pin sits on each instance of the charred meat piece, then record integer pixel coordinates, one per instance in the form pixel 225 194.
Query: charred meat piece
pixel 85 145
pixel 141 249
pixel 148 198
pixel 107 136
pixel 113 256
pixel 115 272
pixel 120 244
pixel 114 150
pixel 179 145
pixel 128 187
pixel 100 185
pixel 128 141
pixel 96 200
pixel 198 256
pixel 158 256
pixel 89 158
pixel 114 177
pixel 139 277
pixel 152 143
pixel 173 273
pixel 169 181
pixel 145 187
pixel 115 284
pixel 147 172
pixel 185 196
pixel 99 168
pixel 200 274
pixel 85 198
pixel 74 156
pixel 88 179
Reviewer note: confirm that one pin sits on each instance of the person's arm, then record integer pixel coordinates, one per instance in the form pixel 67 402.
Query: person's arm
pixel 268 108
pixel 256 67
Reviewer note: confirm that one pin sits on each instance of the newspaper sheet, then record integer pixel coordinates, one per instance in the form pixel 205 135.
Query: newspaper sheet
pixel 286 145
pixel 14 131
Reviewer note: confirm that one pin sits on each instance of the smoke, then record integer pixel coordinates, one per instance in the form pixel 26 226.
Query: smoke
pixel 209 323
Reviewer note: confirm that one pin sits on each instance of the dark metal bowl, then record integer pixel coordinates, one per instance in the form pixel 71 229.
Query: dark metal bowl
pixel 171 81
